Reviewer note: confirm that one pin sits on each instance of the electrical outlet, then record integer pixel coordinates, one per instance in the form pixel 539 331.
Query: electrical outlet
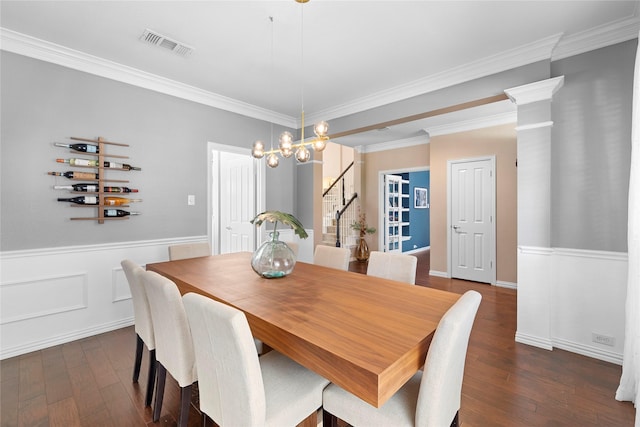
pixel 603 339
pixel 191 200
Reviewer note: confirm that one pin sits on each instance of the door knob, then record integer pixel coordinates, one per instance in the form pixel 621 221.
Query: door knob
pixel 228 228
pixel 455 227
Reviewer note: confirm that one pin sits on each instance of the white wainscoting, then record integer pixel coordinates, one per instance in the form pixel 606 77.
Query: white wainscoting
pixel 52 296
pixel 566 295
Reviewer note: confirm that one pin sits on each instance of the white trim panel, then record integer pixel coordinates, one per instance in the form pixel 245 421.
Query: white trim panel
pixel 79 291
pixel 51 295
pixel 566 295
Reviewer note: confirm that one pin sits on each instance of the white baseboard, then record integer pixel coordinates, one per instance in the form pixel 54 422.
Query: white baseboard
pixel 533 341
pixel 508 285
pixel 418 250
pixel 588 350
pixel 574 347
pixel 439 274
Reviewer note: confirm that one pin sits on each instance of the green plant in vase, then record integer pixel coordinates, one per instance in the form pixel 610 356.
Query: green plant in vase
pixel 275 258
pixel 360 225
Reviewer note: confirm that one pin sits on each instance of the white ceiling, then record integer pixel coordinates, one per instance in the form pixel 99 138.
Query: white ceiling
pixel 357 54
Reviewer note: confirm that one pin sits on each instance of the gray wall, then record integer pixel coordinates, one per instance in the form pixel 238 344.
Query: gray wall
pixel 494 84
pixel 591 149
pixel 43 103
pixel 304 194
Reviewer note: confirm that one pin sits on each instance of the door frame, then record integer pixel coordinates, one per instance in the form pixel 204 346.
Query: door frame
pixel 492 249
pixel 382 201
pixel 213 190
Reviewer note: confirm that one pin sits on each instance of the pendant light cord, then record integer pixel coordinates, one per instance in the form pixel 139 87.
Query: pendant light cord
pixel 302 71
pixel 271 74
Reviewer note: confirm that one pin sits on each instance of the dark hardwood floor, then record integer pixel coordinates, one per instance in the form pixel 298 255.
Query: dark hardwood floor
pixel 88 382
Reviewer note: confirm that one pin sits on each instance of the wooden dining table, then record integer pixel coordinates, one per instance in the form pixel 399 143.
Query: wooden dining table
pixel 366 334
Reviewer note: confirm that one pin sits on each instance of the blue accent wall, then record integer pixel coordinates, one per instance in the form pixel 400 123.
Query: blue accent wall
pixel 419 218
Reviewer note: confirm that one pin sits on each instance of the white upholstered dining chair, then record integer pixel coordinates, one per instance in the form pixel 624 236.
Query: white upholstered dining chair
pixel 430 398
pixel 142 324
pixel 393 266
pixel 174 346
pixel 331 256
pixel 189 250
pixel 238 388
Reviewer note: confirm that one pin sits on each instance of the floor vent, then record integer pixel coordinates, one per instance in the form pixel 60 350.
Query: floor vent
pixel 157 39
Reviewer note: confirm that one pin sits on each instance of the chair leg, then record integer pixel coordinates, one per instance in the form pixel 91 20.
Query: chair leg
pixel 456 420
pixel 185 402
pixel 151 380
pixel 138 361
pixel 328 419
pixel 162 377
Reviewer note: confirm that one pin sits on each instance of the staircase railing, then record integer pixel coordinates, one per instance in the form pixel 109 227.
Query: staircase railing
pixel 337 205
pixel 339 215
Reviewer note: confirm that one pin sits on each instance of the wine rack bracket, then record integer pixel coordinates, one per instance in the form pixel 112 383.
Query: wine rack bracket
pixel 102 145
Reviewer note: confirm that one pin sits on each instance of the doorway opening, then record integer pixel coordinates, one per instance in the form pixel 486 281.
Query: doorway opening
pixel 236 191
pixel 404 210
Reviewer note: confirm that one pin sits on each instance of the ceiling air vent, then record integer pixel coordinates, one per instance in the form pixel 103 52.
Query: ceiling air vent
pixel 154 38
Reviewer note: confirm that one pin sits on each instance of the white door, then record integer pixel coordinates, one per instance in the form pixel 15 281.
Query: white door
pixel 237 203
pixel 472 210
pixel 392 213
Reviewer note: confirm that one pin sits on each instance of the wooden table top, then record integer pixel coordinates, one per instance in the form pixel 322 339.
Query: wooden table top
pixel 366 334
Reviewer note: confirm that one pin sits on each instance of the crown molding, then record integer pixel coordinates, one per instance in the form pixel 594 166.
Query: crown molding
pixel 50 52
pixel 605 35
pixel 513 58
pixel 473 124
pixel 536 91
pixel 391 145
pixel 551 48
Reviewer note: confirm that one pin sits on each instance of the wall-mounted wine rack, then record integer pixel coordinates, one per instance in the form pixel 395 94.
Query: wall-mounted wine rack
pixel 101 155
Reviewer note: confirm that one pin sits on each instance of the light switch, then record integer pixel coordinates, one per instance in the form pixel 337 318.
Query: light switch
pixel 191 200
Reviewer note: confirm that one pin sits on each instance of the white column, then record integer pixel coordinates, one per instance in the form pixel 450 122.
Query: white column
pixel 534 209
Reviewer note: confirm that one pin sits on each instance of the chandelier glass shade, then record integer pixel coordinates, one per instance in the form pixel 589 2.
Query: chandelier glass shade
pixel 287 146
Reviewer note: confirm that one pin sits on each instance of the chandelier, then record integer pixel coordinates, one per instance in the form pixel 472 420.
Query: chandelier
pixel 287 147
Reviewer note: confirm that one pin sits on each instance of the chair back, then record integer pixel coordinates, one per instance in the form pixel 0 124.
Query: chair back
pixel 141 312
pixel 230 380
pixel 189 250
pixel 392 266
pixel 331 256
pixel 174 346
pixel 441 384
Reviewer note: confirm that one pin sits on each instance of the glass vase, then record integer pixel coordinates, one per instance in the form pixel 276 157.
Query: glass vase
pixel 273 258
pixel 362 250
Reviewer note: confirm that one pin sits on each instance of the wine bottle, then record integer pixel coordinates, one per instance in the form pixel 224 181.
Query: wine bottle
pixel 85 148
pixel 87 188
pixel 76 175
pixel 79 162
pixel 114 165
pixel 81 200
pixel 93 188
pixel 119 201
pixel 118 213
pixel 120 190
pixel 94 163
